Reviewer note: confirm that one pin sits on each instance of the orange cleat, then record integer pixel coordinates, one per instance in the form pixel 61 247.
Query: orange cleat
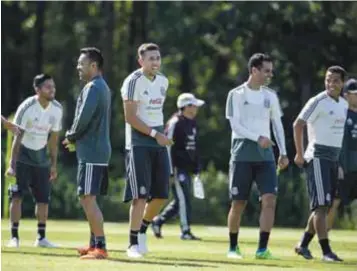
pixel 84 250
pixel 96 254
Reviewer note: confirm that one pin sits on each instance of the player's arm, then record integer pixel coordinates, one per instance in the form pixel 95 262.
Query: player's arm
pixel 20 120
pixel 85 114
pixel 53 145
pixel 307 114
pixel 10 126
pixel 278 129
pixel 232 114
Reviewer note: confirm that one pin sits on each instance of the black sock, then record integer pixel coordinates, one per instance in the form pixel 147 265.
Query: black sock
pixel 325 246
pixel 133 237
pixel 263 240
pixel 233 240
pixel 306 239
pixel 41 231
pixel 144 226
pixel 100 242
pixel 15 230
pixel 92 240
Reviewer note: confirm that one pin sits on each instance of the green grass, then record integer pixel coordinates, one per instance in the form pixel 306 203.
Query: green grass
pixel 169 253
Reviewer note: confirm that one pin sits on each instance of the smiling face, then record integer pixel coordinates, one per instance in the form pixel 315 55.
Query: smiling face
pixel 47 90
pixel 333 83
pixel 263 74
pixel 85 67
pixel 150 61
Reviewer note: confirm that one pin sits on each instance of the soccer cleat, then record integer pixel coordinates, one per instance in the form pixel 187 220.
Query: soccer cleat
pixel 96 254
pixel 84 250
pixel 304 251
pixel 44 243
pixel 265 255
pixel 156 228
pixel 143 248
pixel 14 242
pixel 134 252
pixel 331 257
pixel 235 254
pixel 189 236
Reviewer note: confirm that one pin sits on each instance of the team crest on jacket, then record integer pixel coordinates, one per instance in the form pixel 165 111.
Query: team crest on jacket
pixel 349 121
pixel 266 103
pixel 163 91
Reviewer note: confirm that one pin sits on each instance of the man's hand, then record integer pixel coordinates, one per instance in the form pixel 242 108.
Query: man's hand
pixel 162 140
pixel 299 160
pixel 11 172
pixel 283 162
pixel 71 147
pixel 53 173
pixel 11 126
pixel 264 142
pixel 341 174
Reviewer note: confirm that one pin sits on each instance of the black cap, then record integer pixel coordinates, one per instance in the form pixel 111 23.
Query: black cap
pixel 350 86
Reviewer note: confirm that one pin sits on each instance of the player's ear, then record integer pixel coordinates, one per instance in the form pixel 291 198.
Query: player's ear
pixel 140 61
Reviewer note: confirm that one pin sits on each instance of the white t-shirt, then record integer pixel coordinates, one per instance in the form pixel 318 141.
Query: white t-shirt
pixel 150 96
pixel 38 122
pixel 325 119
pixel 252 110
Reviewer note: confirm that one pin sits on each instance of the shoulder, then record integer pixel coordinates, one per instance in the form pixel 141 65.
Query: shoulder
pixel 173 120
pixel 27 103
pixel 57 106
pixel 271 92
pixel 317 99
pixel 134 76
pixel 236 91
pixel 162 77
pixel 344 102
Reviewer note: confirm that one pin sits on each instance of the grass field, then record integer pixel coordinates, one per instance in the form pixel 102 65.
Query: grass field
pixel 169 253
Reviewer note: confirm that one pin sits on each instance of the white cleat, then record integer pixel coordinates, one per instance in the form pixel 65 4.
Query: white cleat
pixel 14 242
pixel 133 252
pixel 44 243
pixel 234 255
pixel 143 248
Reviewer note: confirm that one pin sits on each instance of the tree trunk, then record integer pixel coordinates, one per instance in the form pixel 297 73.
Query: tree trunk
pixel 138 24
pixel 40 29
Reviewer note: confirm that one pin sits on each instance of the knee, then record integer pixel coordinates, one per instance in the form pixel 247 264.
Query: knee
pixel 16 200
pixel 268 201
pixel 238 205
pixel 138 202
pixel 86 200
pixel 321 210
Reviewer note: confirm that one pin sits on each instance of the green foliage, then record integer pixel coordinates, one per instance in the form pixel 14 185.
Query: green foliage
pixel 205 47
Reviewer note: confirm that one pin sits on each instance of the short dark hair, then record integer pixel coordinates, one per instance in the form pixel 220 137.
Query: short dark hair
pixel 145 47
pixel 256 61
pixel 40 78
pixel 94 55
pixel 339 70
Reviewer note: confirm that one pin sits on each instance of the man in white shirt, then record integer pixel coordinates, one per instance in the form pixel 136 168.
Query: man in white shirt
pixel 251 108
pixel 325 115
pixel 39 118
pixel 147 161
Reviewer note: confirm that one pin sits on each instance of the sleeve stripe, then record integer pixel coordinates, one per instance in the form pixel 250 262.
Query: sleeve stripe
pixel 80 110
pixel 18 120
pixel 131 87
pixel 229 106
pixel 313 106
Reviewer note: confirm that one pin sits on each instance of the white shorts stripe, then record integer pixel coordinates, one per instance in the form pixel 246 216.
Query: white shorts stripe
pixel 318 182
pixel 133 180
pixel 182 206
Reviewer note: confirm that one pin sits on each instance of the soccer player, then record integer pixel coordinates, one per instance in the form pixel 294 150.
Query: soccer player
pixel 90 136
pixel 10 126
pixel 250 108
pixel 325 116
pixel 147 161
pixel 39 118
pixel 182 129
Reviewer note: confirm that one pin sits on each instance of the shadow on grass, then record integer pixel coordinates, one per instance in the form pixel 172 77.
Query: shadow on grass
pixel 173 262
pixel 260 263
